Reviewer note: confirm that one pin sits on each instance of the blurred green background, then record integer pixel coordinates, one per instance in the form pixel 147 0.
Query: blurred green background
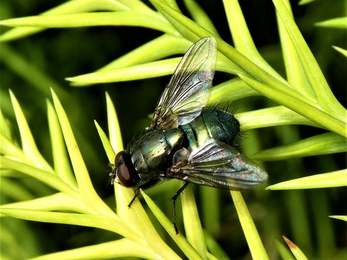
pixel 32 65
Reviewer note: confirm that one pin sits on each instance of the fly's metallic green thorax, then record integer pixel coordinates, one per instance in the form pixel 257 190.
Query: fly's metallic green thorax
pixel 185 140
pixel 212 123
pixel 152 153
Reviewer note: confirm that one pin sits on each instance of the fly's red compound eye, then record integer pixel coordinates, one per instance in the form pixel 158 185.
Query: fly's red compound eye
pixel 125 170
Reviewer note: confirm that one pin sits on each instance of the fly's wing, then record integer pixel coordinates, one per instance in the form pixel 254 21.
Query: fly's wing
pixel 219 165
pixel 189 88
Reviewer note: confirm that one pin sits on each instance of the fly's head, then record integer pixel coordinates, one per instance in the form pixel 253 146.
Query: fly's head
pixel 124 172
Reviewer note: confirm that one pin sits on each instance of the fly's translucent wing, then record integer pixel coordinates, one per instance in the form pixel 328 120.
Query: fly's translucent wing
pixel 218 165
pixel 189 88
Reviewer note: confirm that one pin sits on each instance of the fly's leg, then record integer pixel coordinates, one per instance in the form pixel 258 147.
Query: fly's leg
pixel 174 198
pixel 143 186
pixel 137 192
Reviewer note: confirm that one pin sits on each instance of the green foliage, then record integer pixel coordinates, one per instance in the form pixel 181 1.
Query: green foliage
pixel 54 182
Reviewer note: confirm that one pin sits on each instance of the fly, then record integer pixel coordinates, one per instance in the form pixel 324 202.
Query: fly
pixel 185 140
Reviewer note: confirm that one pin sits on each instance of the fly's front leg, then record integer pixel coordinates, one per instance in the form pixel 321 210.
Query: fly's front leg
pixel 137 192
pixel 174 198
pixel 143 187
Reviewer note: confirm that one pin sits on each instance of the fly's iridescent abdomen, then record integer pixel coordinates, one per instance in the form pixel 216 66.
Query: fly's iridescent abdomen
pixel 212 123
